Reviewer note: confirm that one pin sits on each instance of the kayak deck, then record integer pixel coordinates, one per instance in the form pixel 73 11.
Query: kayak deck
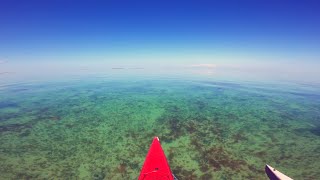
pixel 274 174
pixel 155 166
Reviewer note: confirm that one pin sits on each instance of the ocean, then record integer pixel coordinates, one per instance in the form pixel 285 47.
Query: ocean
pixel 102 127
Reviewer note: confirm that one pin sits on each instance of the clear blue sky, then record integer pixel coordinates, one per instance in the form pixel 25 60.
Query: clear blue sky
pixel 158 30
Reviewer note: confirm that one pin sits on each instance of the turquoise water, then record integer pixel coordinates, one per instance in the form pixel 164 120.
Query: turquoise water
pixel 101 128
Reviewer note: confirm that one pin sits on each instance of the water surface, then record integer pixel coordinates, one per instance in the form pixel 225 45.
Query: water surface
pixel 101 128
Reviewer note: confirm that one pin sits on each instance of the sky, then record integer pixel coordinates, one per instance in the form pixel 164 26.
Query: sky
pixel 269 35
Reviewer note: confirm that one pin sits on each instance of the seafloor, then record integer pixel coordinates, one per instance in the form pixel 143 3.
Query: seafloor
pixel 102 129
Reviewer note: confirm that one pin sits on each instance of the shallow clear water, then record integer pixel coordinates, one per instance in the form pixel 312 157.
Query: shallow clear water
pixel 101 128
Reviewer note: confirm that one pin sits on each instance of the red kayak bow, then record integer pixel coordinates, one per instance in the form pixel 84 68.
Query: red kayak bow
pixel 155 166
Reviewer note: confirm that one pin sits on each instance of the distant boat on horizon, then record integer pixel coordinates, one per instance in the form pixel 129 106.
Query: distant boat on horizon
pixel 117 68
